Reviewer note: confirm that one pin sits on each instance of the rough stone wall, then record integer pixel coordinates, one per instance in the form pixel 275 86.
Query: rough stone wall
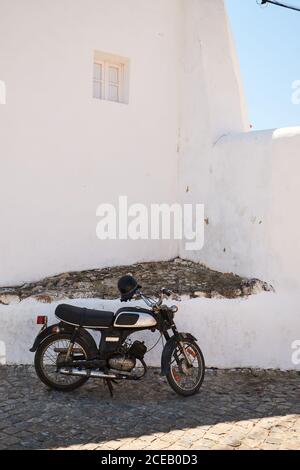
pixel 182 277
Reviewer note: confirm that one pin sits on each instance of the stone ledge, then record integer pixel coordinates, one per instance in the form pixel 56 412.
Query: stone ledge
pixel 185 278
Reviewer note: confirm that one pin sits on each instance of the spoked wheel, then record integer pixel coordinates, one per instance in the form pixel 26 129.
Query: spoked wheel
pixel 186 368
pixel 50 354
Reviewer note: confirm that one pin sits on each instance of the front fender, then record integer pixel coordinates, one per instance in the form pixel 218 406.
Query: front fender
pixel 169 346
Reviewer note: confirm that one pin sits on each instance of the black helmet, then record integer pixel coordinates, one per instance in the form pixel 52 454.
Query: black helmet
pixel 127 286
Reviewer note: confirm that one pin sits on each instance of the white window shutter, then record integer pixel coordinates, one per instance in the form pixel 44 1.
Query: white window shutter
pixel 98 80
pixel 114 83
pixel 114 74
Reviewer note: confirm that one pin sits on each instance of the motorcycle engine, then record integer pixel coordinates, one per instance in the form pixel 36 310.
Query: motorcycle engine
pixel 122 362
pixel 127 361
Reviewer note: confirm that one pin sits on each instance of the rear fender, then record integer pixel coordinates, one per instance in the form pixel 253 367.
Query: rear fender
pixel 43 334
pixel 169 347
pixel 68 329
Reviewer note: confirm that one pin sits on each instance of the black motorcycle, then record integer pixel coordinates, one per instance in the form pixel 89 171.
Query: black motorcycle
pixel 66 354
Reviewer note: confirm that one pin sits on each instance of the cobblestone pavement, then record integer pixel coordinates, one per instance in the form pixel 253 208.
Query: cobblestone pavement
pixel 234 410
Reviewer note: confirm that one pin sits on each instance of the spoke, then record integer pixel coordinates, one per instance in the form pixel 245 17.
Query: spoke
pixel 50 356
pixel 188 379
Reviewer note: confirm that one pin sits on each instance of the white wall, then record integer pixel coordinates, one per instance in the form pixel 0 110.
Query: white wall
pixel 252 204
pixel 248 181
pixel 257 332
pixel 63 153
pixel 213 103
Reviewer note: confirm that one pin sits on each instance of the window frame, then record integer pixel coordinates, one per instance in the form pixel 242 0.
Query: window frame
pixel 105 81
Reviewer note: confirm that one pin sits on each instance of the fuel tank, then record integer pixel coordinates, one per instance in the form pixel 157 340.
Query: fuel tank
pixel 134 318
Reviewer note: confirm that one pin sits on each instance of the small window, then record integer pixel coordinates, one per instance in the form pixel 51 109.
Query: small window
pixel 110 79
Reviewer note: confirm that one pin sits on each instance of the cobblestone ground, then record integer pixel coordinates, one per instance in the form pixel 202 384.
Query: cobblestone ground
pixel 234 410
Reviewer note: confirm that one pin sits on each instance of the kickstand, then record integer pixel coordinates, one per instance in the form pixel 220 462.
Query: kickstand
pixel 110 387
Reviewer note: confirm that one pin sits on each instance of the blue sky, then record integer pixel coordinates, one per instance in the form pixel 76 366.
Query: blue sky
pixel 268 44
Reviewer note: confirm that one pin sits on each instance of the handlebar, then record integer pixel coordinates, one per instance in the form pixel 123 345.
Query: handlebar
pixel 153 303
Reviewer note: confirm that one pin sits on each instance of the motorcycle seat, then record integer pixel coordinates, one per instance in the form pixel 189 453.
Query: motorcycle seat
pixel 84 317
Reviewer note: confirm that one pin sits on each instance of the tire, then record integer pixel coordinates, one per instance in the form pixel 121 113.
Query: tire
pixel 188 344
pixel 44 376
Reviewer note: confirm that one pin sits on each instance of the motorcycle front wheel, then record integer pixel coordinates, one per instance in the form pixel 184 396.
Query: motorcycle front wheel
pixel 186 368
pixel 50 354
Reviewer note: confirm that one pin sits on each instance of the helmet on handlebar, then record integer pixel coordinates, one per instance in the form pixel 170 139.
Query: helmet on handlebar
pixel 127 286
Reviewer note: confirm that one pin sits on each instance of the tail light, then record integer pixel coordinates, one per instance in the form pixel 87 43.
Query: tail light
pixel 41 320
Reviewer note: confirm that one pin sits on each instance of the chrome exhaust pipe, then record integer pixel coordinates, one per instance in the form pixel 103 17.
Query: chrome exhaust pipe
pixel 96 374
pixel 65 350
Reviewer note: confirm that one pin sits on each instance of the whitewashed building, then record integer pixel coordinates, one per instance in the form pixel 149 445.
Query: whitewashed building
pixel 143 98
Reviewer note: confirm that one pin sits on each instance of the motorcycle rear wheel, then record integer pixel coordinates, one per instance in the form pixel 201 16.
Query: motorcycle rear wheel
pixel 46 361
